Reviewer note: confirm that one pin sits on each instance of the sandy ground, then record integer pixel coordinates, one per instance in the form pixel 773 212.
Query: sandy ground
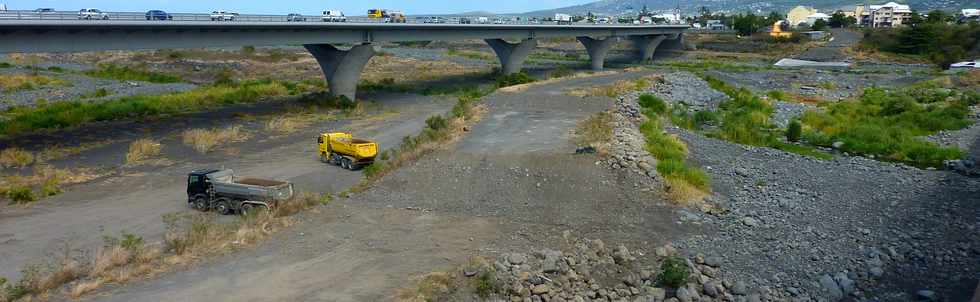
pixel 136 201
pixel 511 183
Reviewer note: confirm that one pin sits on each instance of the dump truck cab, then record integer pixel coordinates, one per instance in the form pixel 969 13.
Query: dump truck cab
pixel 198 185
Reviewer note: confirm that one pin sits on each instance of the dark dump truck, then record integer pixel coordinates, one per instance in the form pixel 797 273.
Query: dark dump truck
pixel 225 193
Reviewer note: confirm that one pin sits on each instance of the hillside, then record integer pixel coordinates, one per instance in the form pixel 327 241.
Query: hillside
pixel 619 6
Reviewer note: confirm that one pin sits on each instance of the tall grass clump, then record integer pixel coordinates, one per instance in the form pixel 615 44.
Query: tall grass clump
pixel 206 140
pixel 130 73
pixel 17 82
pixel 60 115
pixel 889 124
pixel 142 149
pixel 16 158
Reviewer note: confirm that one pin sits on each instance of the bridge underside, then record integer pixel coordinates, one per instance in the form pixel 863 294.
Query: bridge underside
pixel 342 68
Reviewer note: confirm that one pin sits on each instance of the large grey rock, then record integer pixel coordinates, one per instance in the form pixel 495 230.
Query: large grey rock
pixel 925 295
pixel 830 288
pixel 740 288
pixel 516 258
pixel 845 283
pixel 711 289
pixel 683 295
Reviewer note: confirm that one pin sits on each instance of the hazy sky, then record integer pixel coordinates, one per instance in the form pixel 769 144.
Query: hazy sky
pixel 350 7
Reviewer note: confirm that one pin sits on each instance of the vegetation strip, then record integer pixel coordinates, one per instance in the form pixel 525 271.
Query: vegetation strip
pixel 684 182
pixel 60 115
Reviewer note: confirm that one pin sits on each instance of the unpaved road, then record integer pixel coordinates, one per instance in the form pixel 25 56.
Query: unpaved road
pixel 136 201
pixel 511 183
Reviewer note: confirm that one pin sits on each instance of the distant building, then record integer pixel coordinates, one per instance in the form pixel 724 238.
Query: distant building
pixel 969 15
pixel 890 14
pixel 798 15
pixel 716 25
pixel 818 16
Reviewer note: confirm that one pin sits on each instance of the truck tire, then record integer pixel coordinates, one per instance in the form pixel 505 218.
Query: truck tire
pixel 200 203
pixel 223 206
pixel 324 158
pixel 345 163
pixel 248 209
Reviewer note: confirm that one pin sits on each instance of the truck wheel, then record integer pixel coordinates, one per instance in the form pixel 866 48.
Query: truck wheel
pixel 223 207
pixel 345 163
pixel 201 204
pixel 248 209
pixel 323 158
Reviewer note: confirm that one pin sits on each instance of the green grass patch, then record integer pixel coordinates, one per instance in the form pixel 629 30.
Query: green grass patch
pixel 130 73
pixel 20 120
pixel 711 64
pixel 471 54
pixel 98 93
pixel 6 65
pixel 888 124
pixel 551 56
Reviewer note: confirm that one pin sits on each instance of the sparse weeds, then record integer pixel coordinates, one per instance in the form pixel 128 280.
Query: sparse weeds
pixel 17 82
pixel 45 181
pixel 595 131
pixel 617 88
pixel 286 124
pixel 471 54
pixel 429 287
pixel 142 149
pixel 206 140
pixel 130 73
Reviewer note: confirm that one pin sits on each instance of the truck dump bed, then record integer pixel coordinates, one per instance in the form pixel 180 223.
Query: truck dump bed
pixel 225 183
pixel 343 143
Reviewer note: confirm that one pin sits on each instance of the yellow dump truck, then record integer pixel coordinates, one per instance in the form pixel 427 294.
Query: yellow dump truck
pixel 343 149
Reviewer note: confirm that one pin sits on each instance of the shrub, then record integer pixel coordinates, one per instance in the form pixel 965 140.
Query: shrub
pixel 560 72
pixel 436 122
pixel 794 131
pixel 17 82
pixel 21 194
pixel 514 79
pixel 485 285
pixel 653 103
pixel 674 272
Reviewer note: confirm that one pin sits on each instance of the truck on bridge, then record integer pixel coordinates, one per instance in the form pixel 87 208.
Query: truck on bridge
pixel 333 16
pixel 563 19
pixel 225 193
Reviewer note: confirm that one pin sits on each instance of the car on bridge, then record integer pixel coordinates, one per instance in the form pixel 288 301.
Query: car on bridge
pixel 158 15
pixel 295 18
pixel 333 16
pixel 92 14
pixel 220 15
pixel 44 10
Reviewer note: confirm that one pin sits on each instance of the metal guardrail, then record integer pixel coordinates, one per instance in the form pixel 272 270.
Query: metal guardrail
pixel 179 17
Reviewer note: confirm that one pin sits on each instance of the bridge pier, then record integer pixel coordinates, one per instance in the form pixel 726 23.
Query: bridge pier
pixel 511 55
pixel 598 49
pixel 673 43
pixel 342 68
pixel 646 46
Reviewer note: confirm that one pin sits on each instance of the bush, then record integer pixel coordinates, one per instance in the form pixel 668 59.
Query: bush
pixel 938 42
pixel 514 79
pixel 485 285
pixel 561 71
pixel 674 272
pixel 794 131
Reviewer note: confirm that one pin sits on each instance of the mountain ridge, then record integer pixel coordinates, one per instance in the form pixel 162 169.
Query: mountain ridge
pixel 614 7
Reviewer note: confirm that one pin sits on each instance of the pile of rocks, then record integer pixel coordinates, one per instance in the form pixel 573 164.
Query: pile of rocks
pixel 688 89
pixel 627 149
pixel 593 272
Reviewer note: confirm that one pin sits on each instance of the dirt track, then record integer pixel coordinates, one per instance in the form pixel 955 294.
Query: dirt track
pixel 135 201
pixel 506 185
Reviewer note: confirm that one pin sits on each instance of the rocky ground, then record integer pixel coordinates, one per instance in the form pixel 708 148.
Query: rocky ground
pixel 848 227
pixel 79 87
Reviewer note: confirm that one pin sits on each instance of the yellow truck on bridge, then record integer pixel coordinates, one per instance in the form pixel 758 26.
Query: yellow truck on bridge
pixel 343 149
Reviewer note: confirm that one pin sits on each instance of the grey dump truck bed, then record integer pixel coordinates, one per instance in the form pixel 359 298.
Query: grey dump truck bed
pixel 226 184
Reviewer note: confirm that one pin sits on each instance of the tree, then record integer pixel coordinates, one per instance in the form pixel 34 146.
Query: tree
pixel 915 19
pixel 820 24
pixel 850 21
pixel 773 17
pixel 838 20
pixel 746 25
pixel 938 16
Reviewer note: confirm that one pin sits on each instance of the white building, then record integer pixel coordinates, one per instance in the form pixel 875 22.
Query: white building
pixel 890 14
pixel 817 16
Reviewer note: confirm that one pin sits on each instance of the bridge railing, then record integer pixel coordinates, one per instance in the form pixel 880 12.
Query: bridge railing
pixel 178 17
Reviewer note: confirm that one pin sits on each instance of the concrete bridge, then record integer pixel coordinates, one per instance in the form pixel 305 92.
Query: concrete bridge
pixel 342 68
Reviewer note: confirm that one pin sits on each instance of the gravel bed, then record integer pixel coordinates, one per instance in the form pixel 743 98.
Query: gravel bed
pixel 873 229
pixel 786 111
pixel 78 86
pixel 688 89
